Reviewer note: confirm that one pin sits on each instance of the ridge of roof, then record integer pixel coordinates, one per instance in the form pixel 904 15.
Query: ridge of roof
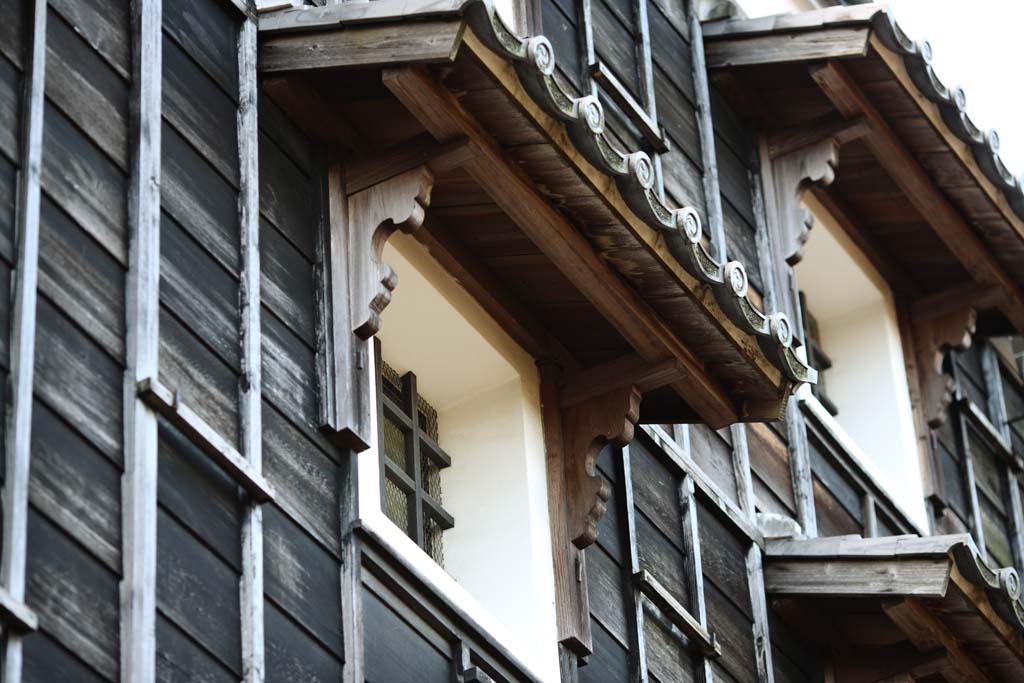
pixel 633 172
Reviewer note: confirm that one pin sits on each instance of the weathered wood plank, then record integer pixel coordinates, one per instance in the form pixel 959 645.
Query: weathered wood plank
pixel 250 388
pixel 779 49
pixel 433 41
pixel 292 655
pixel 18 432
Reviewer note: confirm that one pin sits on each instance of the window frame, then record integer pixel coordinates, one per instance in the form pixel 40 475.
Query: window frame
pixel 421 504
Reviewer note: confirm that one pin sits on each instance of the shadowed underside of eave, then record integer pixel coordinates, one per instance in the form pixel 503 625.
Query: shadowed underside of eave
pixel 515 112
pixel 926 188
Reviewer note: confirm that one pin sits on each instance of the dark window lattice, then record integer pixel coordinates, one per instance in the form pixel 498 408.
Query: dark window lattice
pixel 411 461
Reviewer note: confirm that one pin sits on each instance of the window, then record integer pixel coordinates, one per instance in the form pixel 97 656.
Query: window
pixel 849 314
pixel 979 452
pixel 410 471
pixel 457 475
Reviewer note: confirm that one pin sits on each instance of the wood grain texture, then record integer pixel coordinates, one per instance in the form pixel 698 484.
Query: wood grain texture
pixel 139 487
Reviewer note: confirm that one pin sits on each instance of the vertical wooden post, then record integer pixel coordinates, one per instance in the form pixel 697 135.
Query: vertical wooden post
pixel 635 616
pixel 250 397
pixel 18 445
pixel 139 482
pixel 755 568
pixel 695 573
pixel 800 469
pixel 709 158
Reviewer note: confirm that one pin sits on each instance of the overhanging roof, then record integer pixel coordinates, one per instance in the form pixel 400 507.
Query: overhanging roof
pixel 872 596
pixel 497 91
pixel 933 202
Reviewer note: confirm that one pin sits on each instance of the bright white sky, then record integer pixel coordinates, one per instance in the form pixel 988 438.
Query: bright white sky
pixel 977 45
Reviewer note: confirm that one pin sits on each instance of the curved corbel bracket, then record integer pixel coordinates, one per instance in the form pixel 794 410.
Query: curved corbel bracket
pixel 374 214
pixel 935 335
pixel 587 428
pixel 794 172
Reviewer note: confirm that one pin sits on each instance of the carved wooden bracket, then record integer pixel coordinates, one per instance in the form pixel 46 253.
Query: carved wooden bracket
pixel 800 158
pixel 587 428
pixel 354 288
pixel 934 336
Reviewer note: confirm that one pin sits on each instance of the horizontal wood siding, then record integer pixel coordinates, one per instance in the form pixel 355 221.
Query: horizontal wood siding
pixel 302 527
pixel 736 148
pixel 74 516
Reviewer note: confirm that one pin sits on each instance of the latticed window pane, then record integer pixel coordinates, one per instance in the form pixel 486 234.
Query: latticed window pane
pixel 396 505
pixel 411 462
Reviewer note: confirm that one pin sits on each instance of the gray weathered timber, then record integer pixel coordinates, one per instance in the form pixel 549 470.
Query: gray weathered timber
pixel 759 605
pixel 250 397
pixel 22 350
pixel 363 47
pixel 694 569
pixel 169 404
pixel 638 654
pixel 774 49
pixel 712 193
pixel 139 485
pixel 800 470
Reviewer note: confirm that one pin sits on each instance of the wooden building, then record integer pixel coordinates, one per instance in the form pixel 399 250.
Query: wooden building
pixel 445 340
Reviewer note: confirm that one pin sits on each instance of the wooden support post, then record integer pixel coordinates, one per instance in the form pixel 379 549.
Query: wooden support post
pixel 139 482
pixel 754 565
pixel 355 287
pixel 571 600
pixel 635 608
pixel 935 334
pixel 18 445
pixel 250 399
pixel 800 470
pixel 705 126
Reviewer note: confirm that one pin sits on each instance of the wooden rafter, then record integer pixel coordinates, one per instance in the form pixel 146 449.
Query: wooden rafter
pixel 919 188
pixel 928 634
pixel 442 115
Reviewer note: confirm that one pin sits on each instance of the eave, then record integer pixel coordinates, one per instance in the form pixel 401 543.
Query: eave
pixel 925 606
pixel 542 157
pixel 952 214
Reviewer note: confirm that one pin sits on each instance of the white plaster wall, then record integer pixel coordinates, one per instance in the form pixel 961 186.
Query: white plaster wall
pixel 486 390
pixel 868 381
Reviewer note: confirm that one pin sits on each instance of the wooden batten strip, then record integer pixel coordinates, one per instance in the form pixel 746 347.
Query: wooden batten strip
pixel 200 433
pixel 695 573
pixel 142 296
pixel 705 127
pixel 250 397
pixel 635 614
pixel 754 562
pixel 17 617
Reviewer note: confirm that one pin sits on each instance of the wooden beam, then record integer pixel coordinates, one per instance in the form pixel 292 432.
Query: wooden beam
pixel 250 387
pixel 363 47
pixel 22 343
pixel 920 190
pixel 442 115
pixel 423 149
pixel 927 632
pixel 338 15
pixel 885 576
pixel 16 617
pixel 795 21
pixel 628 370
pixel 200 433
pixel 956 298
pixel 506 77
pixel 142 345
pixel 831 43
pixel 704 642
